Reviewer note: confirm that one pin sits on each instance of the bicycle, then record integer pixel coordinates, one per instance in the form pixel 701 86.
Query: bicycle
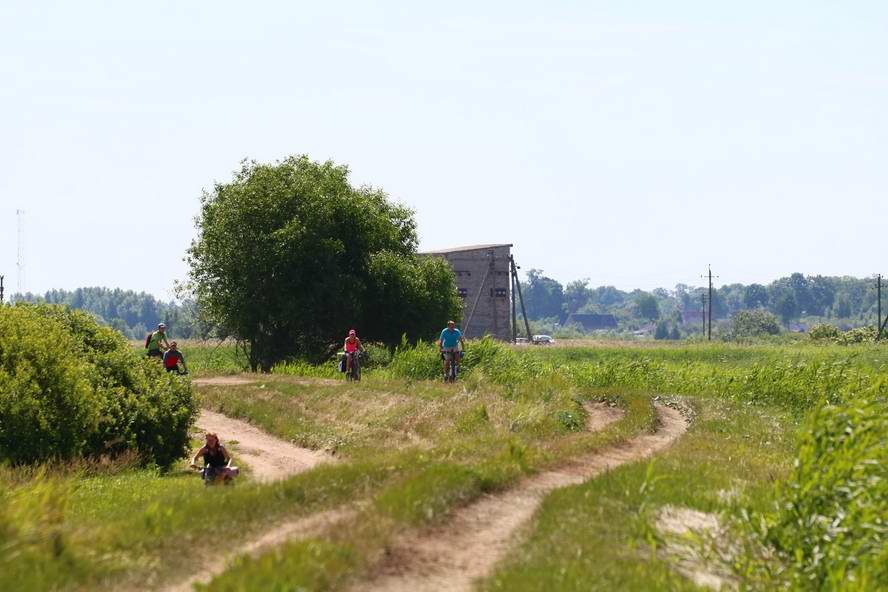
pixel 453 370
pixel 353 373
pixel 216 475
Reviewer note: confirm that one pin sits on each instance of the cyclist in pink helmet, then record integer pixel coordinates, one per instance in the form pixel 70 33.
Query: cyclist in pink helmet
pixel 352 346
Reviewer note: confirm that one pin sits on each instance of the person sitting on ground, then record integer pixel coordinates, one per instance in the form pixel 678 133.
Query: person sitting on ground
pixel 172 358
pixel 450 340
pixel 217 461
pixel 352 345
pixel 157 342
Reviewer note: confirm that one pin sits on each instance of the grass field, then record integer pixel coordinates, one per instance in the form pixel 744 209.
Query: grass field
pixel 411 450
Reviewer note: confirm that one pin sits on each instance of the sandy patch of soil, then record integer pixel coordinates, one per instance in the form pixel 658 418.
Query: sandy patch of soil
pixel 601 415
pixel 690 543
pixel 232 380
pixel 242 379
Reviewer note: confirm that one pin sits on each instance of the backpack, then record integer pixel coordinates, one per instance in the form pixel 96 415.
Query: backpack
pixel 148 339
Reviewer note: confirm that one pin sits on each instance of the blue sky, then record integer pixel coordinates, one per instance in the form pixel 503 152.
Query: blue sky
pixel 630 143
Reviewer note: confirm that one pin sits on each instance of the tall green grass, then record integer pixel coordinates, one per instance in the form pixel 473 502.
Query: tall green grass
pixel 208 357
pixel 828 529
pixel 798 379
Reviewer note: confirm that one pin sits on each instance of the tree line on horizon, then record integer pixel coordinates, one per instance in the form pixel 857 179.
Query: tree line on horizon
pixel 846 301
pixel 132 313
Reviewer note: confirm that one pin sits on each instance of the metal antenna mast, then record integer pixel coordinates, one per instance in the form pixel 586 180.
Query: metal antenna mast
pixel 21 251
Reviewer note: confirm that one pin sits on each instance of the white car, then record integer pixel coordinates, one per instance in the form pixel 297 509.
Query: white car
pixel 543 339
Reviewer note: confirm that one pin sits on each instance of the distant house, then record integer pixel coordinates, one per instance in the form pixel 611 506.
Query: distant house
pixel 692 317
pixel 592 321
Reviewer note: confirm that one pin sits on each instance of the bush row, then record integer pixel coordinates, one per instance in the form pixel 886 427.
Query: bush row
pixel 832 334
pixel 69 387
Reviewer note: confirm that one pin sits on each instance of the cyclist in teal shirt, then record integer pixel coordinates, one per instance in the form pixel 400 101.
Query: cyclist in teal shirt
pixel 451 338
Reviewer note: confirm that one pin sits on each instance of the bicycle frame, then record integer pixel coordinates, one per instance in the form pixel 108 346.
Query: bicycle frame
pixel 354 372
pixel 453 369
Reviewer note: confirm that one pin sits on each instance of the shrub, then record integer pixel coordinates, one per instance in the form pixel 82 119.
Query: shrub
pixel 375 356
pixel 753 323
pixel 824 332
pixel 832 333
pixel 858 335
pixel 46 405
pixel 69 387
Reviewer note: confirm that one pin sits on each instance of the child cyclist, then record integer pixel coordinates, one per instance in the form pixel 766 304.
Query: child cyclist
pixel 172 358
pixel 217 461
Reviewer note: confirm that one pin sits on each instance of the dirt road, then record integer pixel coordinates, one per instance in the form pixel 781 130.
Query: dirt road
pixel 451 557
pixel 269 458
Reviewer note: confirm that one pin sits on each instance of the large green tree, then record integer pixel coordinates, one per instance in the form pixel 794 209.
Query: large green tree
pixel 646 307
pixel 290 255
pixel 543 295
pixel 755 296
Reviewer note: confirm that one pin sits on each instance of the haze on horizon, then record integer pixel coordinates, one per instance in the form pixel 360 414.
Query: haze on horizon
pixel 628 145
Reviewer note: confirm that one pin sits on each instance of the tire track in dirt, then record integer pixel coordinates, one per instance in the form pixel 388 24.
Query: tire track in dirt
pixel 258 448
pixel 270 459
pixel 598 416
pixel 451 557
pixel 300 528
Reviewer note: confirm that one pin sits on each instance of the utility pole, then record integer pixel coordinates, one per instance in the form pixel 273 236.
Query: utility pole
pixel 709 276
pixel 710 305
pixel 703 312
pixel 514 297
pixel 520 297
pixel 1 289
pixel 879 307
pixel 880 324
